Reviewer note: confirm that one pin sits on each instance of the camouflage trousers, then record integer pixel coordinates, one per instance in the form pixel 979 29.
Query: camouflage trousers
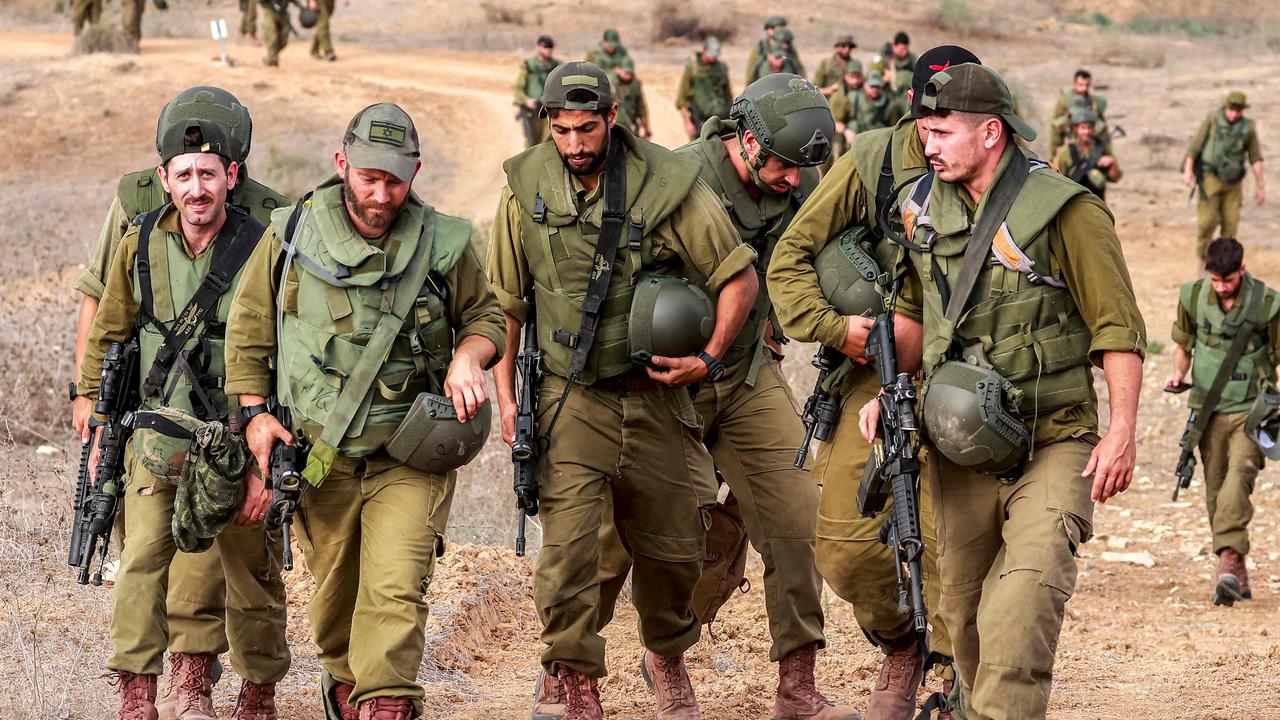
pixel 131 16
pixel 254 593
pixel 1218 212
pixel 1231 465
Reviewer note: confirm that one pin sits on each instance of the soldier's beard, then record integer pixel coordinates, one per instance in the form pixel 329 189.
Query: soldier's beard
pixel 597 160
pixel 376 215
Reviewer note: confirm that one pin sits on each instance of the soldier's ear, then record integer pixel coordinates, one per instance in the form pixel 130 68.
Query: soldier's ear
pixel 163 172
pixel 233 174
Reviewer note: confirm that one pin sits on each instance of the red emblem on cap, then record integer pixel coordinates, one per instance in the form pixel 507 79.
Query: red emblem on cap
pixel 940 68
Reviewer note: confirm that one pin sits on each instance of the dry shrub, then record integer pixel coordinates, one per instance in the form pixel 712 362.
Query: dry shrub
pixel 1121 51
pixel 961 17
pixel 675 19
pixel 501 13
pixel 102 36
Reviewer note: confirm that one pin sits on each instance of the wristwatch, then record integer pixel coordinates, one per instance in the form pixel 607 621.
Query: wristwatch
pixel 249 412
pixel 715 368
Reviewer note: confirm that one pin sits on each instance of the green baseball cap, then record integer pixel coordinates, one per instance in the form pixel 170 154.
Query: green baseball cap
pixel 853 66
pixel 382 137
pixel 1237 99
pixel 845 40
pixel 973 88
pixel 612 36
pixel 209 137
pixel 627 64
pixel 776 21
pixel 585 81
pixel 875 79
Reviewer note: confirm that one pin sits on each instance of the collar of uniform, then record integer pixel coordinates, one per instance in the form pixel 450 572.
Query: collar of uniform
pixel 352 249
pixel 171 223
pixel 953 210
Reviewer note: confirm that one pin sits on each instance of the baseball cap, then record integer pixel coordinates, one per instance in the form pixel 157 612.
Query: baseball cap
pixel 584 81
pixel 853 66
pixel 545 41
pixel 612 36
pixel 775 21
pixel 382 137
pixel 627 64
pixel 212 137
pixel 711 46
pixel 1237 99
pixel 930 62
pixel 875 79
pixel 901 38
pixel 976 89
pixel 845 40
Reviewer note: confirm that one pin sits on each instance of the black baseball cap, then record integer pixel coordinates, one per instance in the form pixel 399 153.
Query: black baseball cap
pixel 931 61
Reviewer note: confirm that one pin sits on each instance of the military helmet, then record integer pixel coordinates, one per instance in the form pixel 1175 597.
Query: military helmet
pixel 430 437
pixel 308 16
pixel 205 102
pixel 967 416
pixel 1262 425
pixel 670 317
pixel 848 275
pixel 789 117
pixel 1081 115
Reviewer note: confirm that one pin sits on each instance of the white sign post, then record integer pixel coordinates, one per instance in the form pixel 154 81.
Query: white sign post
pixel 218 28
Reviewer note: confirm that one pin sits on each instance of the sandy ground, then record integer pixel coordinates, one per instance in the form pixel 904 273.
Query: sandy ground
pixel 1139 641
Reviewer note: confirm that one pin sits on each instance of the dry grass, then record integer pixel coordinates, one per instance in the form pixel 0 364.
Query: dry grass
pixel 693 21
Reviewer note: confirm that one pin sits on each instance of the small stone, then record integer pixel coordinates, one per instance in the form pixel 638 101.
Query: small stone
pixel 1142 558
pixel 46 451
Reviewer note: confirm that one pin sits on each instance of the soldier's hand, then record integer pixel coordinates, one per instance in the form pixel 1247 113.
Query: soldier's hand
pixel 532 104
pixel 1174 380
pixel 508 421
pixel 261 434
pixel 1189 178
pixel 81 411
pixel 869 419
pixel 256 499
pixel 1111 464
pixel 855 339
pixel 94 453
pixel 1106 161
pixel 465 386
pixel 1260 194
pixel 676 372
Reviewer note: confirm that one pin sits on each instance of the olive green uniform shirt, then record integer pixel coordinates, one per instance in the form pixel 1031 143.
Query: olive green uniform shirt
pixel 626 94
pixel 684 93
pixel 93 280
pixel 522 78
pixel 1253 147
pixel 830 70
pixel 1184 325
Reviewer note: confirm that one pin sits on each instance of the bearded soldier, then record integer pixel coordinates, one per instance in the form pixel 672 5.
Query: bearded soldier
pixel 1223 150
pixel 158 290
pixel 831 70
pixel 203 620
pixel 704 88
pixel 365 312
pixel 598 213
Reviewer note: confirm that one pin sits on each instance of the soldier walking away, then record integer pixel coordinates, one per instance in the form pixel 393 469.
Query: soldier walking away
pixel 704 88
pixel 388 292
pixel 633 108
pixel 1224 145
pixel 832 69
pixel 1229 324
pixel 1085 158
pixel 1013 505
pixel 182 261
pixel 842 106
pixel 778 56
pixel 131 19
pixel 529 83
pixel 614 412
pixel 197 602
pixel 1080 94
pixel 818 280
pixel 322 39
pixel 609 53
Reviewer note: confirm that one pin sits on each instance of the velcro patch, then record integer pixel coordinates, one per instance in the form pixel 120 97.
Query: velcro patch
pixel 385 132
pixel 579 80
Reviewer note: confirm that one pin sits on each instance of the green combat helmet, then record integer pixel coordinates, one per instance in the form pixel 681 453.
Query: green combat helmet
pixel 789 117
pixel 308 16
pixel 669 317
pixel 849 274
pixel 430 437
pixel 967 416
pixel 1263 424
pixel 205 102
pixel 1082 115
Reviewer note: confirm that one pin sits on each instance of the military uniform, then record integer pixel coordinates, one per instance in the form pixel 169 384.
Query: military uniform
pixel 322 40
pixel 1060 117
pixel 1224 150
pixel 632 106
pixel 1073 160
pixel 529 83
pixel 832 69
pixel 249 19
pixel 704 90
pixel 131 20
pixel 901 71
pixel 84 12
pixel 604 59
pixel 275 32
pixel 761 67
pixel 856 110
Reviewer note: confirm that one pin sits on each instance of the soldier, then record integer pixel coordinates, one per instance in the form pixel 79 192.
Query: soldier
pixel 1229 322
pixel 529 83
pixel 275 30
pixel 1079 95
pixel 832 69
pixel 609 53
pixel 1010 545
pixel 633 109
pixel 1086 159
pixel 842 110
pixel 850 556
pixel 873 108
pixel 704 88
pixel 1223 146
pixel 201 620
pixel 616 429
pixel 322 40
pixel 778 57
pixel 758 51
pixel 381 289
pixel 152 281
pixel 84 12
pixel 899 63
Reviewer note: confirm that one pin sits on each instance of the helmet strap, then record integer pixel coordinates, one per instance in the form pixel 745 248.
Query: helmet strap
pixel 753 166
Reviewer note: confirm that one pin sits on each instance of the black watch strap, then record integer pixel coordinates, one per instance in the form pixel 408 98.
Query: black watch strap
pixel 715 368
pixel 249 412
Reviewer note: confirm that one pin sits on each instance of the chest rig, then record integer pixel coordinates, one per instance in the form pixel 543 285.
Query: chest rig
pixel 1216 330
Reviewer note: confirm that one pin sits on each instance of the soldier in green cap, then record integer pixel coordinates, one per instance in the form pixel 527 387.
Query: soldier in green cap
pixel 842 104
pixel 168 286
pixel 609 53
pixel 758 50
pixel 832 69
pixel 200 618
pixel 869 108
pixel 1080 94
pixel 613 411
pixel 778 56
pixel 1085 158
pixel 1229 322
pixel 1020 283
pixel 898 64
pixel 366 313
pixel 704 88
pixel 1224 145
pixel 633 109
pixel 529 83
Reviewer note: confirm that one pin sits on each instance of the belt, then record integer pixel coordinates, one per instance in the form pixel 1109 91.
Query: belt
pixel 636 380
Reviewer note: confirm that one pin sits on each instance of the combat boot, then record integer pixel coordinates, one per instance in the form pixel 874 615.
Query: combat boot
pixel 193 676
pixel 1233 579
pixel 341 696
pixel 255 702
pixel 548 698
pixel 387 708
pixel 167 700
pixel 580 695
pixel 894 696
pixel 137 696
pixel 798 696
pixel 668 678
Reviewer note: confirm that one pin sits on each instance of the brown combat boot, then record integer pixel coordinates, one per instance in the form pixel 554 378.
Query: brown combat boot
pixel 137 696
pixel 167 700
pixel 581 695
pixel 548 698
pixel 894 696
pixel 668 678
pixel 193 676
pixel 1233 579
pixel 342 694
pixel 387 708
pixel 255 702
pixel 798 696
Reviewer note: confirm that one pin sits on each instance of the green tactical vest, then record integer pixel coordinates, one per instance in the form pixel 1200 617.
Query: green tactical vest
pixel 1224 150
pixel 536 77
pixel 335 294
pixel 141 192
pixel 1215 330
pixel 709 82
pixel 605 61
pixel 1031 334
pixel 560 246
pixel 760 222
pixel 868 156
pixel 869 115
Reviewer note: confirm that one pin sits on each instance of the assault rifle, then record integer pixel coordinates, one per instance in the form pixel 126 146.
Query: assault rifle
pixel 896 474
pixel 98 493
pixel 286 482
pixel 524 447
pixel 822 408
pixel 1187 459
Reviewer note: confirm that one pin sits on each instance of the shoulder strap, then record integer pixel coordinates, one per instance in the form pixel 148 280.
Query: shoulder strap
pixel 146 223
pixel 1234 353
pixel 1189 294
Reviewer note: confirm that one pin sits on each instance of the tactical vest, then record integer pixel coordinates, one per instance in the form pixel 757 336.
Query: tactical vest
pixel 142 191
pixel 559 246
pixel 1216 329
pixel 536 77
pixel 1022 326
pixel 628 97
pixel 336 291
pixel 868 114
pixel 606 61
pixel 870 151
pixel 1224 150
pixel 709 82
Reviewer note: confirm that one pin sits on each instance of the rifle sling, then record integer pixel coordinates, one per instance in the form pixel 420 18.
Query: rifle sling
pixel 1080 169
pixel 1234 353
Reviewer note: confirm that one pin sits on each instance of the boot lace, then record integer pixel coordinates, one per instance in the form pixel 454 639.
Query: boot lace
pixel 674 675
pixel 255 702
pixel 799 670
pixel 133 690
